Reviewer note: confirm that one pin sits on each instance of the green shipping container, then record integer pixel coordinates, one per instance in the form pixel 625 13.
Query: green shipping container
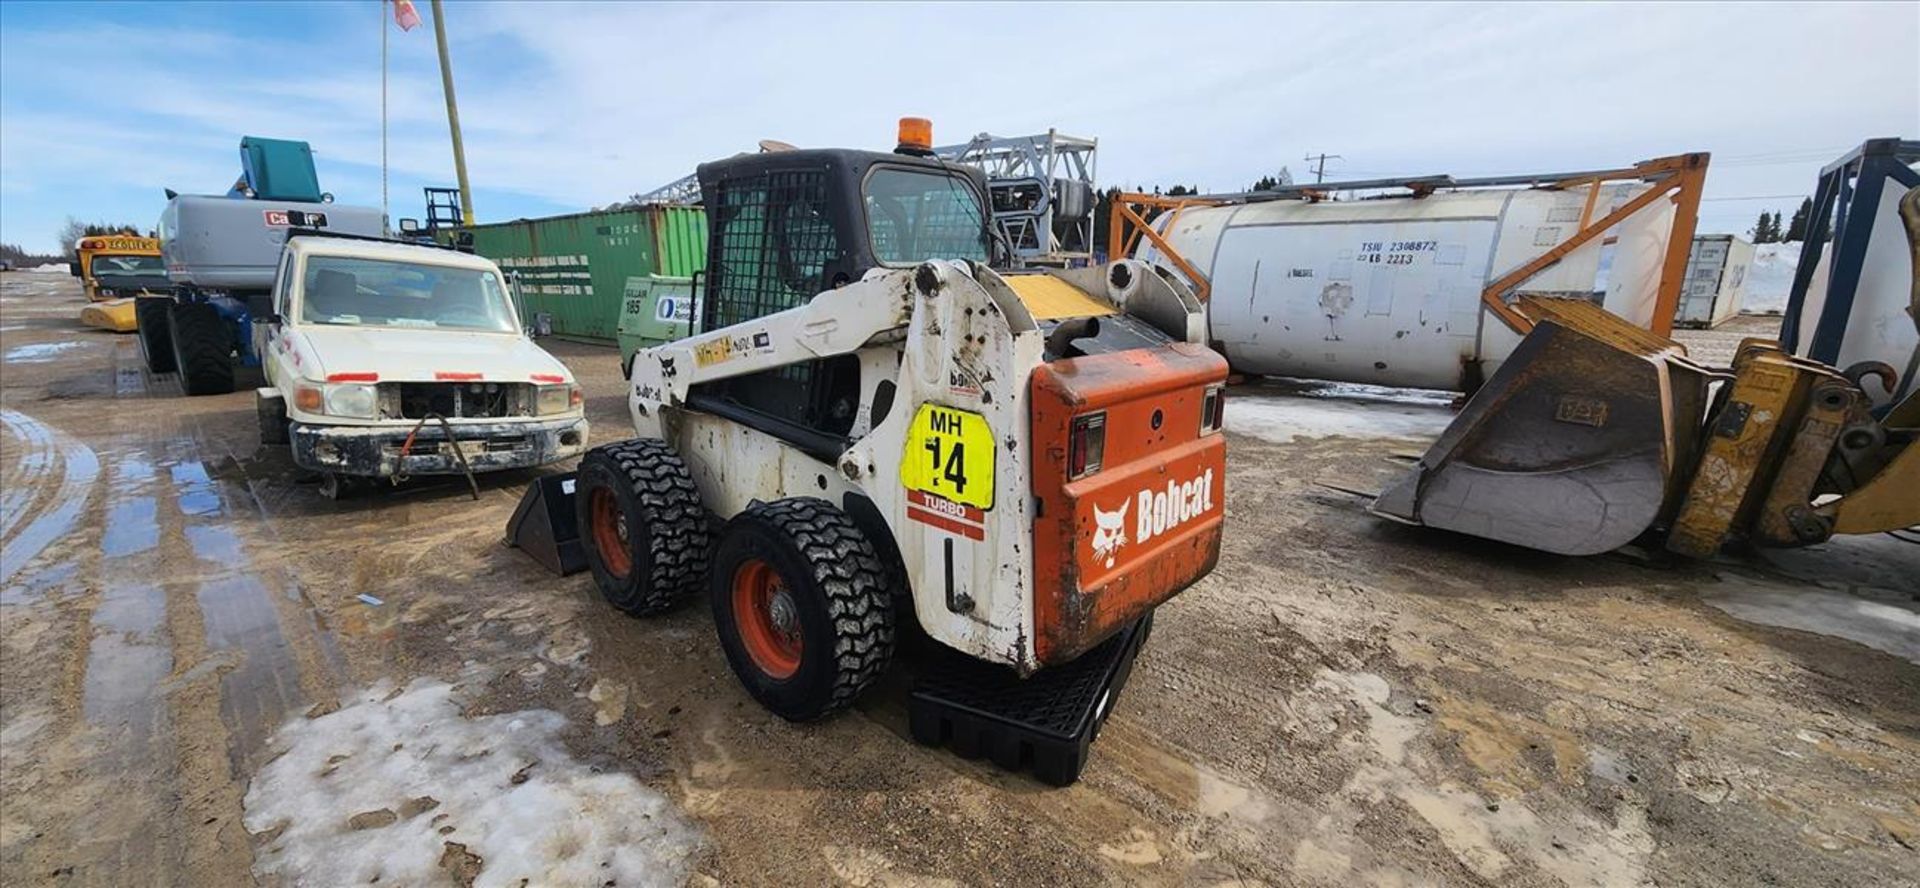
pixel 575 268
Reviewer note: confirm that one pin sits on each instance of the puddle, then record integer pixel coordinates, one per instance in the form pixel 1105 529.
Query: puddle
pixel 255 695
pixel 37 352
pixel 1281 414
pixel 37 584
pixel 195 489
pixel 1890 625
pixel 1349 391
pixel 36 452
pixel 133 518
pixel 78 470
pixel 128 657
pixel 215 544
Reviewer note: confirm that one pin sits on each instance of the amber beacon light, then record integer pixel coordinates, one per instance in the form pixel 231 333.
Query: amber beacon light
pixel 916 136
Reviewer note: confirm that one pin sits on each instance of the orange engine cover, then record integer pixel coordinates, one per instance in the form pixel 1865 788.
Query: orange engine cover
pixel 1111 546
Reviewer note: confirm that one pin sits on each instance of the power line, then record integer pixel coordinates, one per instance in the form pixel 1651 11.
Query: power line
pixel 1320 170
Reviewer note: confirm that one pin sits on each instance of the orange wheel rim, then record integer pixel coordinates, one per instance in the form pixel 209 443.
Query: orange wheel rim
pixel 768 620
pixel 610 532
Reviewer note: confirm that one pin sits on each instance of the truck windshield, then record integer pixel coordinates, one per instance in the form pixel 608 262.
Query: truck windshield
pixel 913 216
pixel 385 293
pixel 127 266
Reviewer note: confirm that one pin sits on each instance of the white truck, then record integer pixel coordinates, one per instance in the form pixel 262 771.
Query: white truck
pixel 387 360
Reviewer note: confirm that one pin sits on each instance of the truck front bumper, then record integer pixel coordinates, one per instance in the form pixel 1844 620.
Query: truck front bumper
pixel 383 451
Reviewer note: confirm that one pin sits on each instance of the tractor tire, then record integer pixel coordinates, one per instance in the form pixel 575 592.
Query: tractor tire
pixel 202 349
pixel 155 334
pixel 641 525
pixel 801 605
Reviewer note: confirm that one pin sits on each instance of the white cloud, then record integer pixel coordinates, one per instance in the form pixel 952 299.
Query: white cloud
pixel 577 105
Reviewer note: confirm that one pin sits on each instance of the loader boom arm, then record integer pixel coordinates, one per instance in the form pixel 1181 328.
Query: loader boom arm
pixel 836 322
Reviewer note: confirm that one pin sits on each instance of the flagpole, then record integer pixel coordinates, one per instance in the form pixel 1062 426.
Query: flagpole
pixel 383 118
pixel 453 114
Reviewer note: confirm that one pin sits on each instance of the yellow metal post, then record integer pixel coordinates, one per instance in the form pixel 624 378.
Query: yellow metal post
pixel 453 113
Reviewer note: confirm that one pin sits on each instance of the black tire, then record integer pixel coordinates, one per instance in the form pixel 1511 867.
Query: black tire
pixel 641 525
pixel 836 594
pixel 202 349
pixel 156 335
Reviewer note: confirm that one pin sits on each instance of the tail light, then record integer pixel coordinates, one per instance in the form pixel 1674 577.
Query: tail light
pixel 1213 409
pixel 1086 445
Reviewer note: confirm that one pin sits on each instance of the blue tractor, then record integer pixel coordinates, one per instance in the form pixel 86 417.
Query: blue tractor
pixel 223 257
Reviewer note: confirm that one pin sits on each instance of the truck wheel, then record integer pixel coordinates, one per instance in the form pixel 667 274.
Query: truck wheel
pixel 202 349
pixel 801 605
pixel 156 336
pixel 643 529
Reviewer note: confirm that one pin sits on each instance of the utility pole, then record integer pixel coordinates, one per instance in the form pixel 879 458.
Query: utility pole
pixel 1319 160
pixel 384 227
pixel 453 114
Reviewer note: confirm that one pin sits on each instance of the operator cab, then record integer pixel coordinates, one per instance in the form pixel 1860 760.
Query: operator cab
pixel 785 226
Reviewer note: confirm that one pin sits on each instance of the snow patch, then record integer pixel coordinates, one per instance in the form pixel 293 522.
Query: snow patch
pixel 399 786
pixel 50 268
pixel 38 352
pixel 1890 626
pixel 1770 278
pixel 1283 410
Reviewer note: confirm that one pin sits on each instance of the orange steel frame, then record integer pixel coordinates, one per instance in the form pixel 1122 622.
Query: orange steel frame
pixel 1127 223
pixel 1680 175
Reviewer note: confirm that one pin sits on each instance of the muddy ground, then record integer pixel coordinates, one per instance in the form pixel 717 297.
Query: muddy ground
pixel 194 692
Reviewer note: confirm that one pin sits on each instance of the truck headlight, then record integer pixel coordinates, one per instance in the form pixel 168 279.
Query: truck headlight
pixel 553 399
pixel 352 401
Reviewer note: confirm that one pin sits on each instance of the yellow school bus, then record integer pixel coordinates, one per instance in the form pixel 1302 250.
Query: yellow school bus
pixel 113 269
pixel 112 266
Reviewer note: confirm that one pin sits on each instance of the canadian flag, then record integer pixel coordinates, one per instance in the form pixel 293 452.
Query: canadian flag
pixel 405 15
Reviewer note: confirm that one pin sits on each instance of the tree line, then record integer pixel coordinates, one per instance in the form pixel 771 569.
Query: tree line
pixel 1768 229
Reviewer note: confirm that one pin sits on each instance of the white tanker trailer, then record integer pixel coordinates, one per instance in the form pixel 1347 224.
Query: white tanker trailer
pixel 1388 289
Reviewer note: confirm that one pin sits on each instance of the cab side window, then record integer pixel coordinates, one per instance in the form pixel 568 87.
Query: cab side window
pixel 282 292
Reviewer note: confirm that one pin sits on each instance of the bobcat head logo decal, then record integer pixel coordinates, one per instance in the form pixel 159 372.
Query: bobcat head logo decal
pixel 1110 531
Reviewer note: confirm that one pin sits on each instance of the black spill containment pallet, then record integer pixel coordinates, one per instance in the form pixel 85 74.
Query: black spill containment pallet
pixel 1046 723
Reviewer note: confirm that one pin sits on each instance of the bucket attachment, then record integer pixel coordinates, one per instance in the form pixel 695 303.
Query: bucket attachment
pixel 1575 446
pixel 543 525
pixel 114 315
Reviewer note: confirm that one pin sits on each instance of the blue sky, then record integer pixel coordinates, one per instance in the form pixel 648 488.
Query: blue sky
pixel 565 107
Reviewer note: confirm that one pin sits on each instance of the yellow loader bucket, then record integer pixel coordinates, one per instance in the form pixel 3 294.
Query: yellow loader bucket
pixel 1576 444
pixel 112 314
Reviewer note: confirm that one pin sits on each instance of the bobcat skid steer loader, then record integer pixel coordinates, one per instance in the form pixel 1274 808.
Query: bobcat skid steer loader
pixel 874 428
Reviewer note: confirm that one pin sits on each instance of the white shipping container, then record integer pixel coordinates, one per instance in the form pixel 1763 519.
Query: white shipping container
pixel 1716 280
pixel 1879 326
pixel 1387 291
